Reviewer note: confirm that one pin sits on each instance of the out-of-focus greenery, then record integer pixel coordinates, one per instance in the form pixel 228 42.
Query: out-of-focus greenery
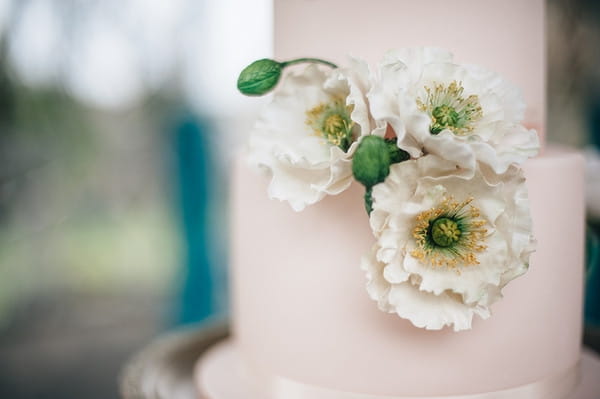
pixel 83 196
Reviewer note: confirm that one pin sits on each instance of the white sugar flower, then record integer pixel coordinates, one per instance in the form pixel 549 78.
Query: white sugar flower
pixel 464 114
pixel 446 246
pixel 306 136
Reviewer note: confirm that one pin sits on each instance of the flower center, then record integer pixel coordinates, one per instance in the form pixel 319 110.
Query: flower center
pixel 450 234
pixel 334 125
pixel 445 232
pixel 332 122
pixel 449 109
pixel 445 117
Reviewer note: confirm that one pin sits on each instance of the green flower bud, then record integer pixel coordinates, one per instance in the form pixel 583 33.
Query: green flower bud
pixel 260 77
pixel 371 162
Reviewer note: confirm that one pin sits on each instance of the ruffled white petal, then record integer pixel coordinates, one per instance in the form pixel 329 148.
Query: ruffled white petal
pixel 423 309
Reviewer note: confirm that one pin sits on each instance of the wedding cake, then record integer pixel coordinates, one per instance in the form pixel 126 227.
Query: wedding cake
pixel 411 235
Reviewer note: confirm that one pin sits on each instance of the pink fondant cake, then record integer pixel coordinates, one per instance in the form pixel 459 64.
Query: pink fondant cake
pixel 293 320
pixel 303 325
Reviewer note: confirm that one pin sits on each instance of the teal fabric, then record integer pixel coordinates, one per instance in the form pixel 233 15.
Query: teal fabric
pixel 592 292
pixel 194 164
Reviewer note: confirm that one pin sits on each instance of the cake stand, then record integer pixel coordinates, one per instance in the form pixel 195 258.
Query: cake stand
pixel 165 368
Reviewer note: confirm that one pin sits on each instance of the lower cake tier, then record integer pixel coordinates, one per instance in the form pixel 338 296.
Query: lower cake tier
pixel 301 312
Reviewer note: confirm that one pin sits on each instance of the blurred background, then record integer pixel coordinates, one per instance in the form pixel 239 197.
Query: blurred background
pixel 117 122
pixel 115 127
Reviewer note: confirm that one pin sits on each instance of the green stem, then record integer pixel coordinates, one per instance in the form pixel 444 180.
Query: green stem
pixel 369 200
pixel 313 60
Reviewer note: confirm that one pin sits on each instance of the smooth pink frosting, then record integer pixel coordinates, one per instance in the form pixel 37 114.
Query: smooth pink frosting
pixel 301 310
pixel 504 36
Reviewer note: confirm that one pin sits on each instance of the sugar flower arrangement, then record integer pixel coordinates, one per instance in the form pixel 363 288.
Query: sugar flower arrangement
pixel 438 147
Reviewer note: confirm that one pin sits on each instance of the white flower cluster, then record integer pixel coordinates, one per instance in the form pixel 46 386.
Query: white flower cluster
pixel 452 223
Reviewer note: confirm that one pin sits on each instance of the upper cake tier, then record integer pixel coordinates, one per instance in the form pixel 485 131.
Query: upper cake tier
pixel 504 36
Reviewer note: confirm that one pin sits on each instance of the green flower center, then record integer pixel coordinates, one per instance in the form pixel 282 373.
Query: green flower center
pixel 445 232
pixel 332 122
pixel 443 117
pixel 450 109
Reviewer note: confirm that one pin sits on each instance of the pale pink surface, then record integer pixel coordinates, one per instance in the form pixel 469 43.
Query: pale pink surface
pixel 504 36
pixel 301 309
pixel 219 375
